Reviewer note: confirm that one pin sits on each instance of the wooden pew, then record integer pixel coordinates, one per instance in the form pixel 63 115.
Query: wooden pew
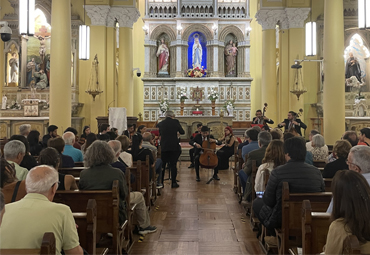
pixel 107 212
pixel 136 171
pixel 79 164
pixel 74 171
pixel 129 236
pixel 315 227
pixel 291 213
pixel 145 168
pixel 86 222
pixel 47 247
pixel 253 219
pixel 328 182
pixel 319 163
pixel 237 187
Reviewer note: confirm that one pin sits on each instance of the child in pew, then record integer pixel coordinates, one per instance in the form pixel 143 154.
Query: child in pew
pixel 351 203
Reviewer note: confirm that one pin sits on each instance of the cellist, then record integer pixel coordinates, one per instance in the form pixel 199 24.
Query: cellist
pixel 197 143
pixel 293 123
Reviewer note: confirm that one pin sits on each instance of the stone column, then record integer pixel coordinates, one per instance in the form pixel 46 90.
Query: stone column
pixel 268 20
pixel 178 8
pixel 60 65
pixel 215 6
pixel 126 18
pixel 334 112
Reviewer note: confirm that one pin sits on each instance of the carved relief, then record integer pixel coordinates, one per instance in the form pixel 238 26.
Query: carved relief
pixel 157 31
pixel 197 27
pixel 98 14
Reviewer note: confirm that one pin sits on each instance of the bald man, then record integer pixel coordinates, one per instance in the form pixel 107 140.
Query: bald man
pixel 36 214
pixel 69 150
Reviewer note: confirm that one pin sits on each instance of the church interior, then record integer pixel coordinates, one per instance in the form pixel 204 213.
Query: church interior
pixel 214 62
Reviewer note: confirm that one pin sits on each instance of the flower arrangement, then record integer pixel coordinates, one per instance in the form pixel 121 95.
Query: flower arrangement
pixel 196 72
pixel 164 105
pixel 213 95
pixel 182 94
pixel 229 104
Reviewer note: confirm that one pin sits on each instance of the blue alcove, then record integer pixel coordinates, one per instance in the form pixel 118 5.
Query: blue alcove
pixel 203 43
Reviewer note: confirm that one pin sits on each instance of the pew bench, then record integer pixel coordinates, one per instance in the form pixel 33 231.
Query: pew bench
pixel 145 184
pixel 74 171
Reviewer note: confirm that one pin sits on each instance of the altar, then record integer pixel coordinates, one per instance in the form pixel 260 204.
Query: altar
pixel 216 124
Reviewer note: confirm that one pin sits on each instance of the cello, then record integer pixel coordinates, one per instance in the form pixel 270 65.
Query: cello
pixel 209 158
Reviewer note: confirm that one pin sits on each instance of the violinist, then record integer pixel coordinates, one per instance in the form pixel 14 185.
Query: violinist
pixel 261 119
pixel 292 122
pixel 197 143
pixel 227 150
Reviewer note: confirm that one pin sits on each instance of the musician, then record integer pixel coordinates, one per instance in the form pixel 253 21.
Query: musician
pixel 227 150
pixel 197 143
pixel 260 119
pixel 191 151
pixel 292 122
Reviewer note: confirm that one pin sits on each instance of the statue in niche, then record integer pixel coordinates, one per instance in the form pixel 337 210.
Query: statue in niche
pixel 3 102
pixel 13 63
pixel 353 67
pixel 32 67
pixel 230 52
pixel 163 57
pixel 43 79
pixel 197 52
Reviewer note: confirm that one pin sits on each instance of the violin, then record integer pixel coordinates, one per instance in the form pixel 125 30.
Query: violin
pixel 209 158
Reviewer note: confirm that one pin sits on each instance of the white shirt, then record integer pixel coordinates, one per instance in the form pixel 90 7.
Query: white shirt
pixel 259 182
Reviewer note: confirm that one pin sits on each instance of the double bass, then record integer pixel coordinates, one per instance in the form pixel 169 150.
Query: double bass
pixel 209 158
pixel 292 128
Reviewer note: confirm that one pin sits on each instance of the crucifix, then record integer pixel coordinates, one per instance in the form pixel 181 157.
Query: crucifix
pixel 42 35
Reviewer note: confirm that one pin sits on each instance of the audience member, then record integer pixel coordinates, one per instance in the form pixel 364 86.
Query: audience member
pixel 59 144
pixel 34 142
pixel 69 139
pixel 24 129
pixel 319 150
pixel 252 135
pixel 264 139
pixel 364 138
pixel 276 134
pixel 40 216
pixel 141 129
pixel 140 153
pixel 100 176
pixel 192 150
pixel 112 134
pixel 2 207
pixel 340 151
pixel 14 152
pixel 103 130
pixel 309 143
pixel 52 133
pixel 351 136
pixel 309 156
pixel 12 189
pixel 74 131
pixel 131 130
pixel 148 144
pixel 28 161
pixel 85 132
pixel 302 178
pixel 116 147
pixel 125 157
pixel 50 157
pixel 274 157
pixel 90 138
pixel 350 212
pixel 115 131
pixel 245 141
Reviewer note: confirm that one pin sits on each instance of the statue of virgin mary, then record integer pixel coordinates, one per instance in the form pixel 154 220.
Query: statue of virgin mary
pixel 197 52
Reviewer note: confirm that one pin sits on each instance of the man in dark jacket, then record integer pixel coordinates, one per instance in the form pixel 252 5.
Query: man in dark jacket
pixel 302 178
pixel 197 142
pixel 293 122
pixel 170 147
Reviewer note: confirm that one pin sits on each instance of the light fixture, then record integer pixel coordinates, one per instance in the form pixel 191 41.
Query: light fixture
pixel 84 40
pixel 27 17
pixel 298 88
pixel 146 29
pixel 93 88
pixel 311 36
pixel 248 30
pixel 363 14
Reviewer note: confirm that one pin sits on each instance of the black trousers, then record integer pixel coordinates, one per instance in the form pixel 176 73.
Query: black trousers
pixel 196 166
pixel 170 157
pixel 191 154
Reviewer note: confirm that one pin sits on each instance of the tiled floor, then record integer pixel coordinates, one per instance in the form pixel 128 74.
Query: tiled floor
pixel 199 219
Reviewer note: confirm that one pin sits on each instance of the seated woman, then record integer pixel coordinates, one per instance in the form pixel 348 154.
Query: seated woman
pixel 141 129
pixel 227 150
pixel 51 157
pixel 90 138
pixel 140 153
pixel 34 142
pixel 125 157
pixel 12 189
pixel 274 157
pixel 351 202
pixel 340 152
pixel 319 149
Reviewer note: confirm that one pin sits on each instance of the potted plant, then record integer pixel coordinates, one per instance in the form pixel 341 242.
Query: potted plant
pixel 182 94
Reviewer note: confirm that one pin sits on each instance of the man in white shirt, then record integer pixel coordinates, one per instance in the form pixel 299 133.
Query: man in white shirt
pixel 14 152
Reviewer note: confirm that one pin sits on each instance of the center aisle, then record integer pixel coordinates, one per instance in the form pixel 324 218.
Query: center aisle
pixel 197 218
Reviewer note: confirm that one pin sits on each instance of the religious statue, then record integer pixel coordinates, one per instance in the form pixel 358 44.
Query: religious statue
pixel 230 58
pixel 353 67
pixel 13 63
pixel 163 55
pixel 42 49
pixel 3 102
pixel 197 52
pixel 43 82
pixel 47 68
pixel 31 69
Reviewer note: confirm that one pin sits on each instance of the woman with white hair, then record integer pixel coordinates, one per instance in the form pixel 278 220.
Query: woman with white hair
pixel 319 149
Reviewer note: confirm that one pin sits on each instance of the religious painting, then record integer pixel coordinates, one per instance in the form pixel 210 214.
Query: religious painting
pixel 356 58
pixel 230 52
pixel 197 51
pixel 38 53
pixel 12 67
pixel 163 55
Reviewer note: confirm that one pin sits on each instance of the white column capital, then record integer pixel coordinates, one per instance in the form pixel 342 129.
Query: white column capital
pixel 126 16
pixel 269 18
pixel 296 16
pixel 98 14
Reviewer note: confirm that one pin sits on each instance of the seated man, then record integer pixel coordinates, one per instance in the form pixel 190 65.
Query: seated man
pixel 100 176
pixel 103 132
pixel 26 221
pixel 148 143
pixel 14 152
pixel 59 144
pixel 302 178
pixel 24 129
pixel 191 151
pixel 52 133
pixel 74 131
pixel 76 154
pixel 245 140
pixel 252 137
pixel 264 139
pixel 293 123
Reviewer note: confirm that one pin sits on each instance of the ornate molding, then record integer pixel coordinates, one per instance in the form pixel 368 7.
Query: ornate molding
pixel 269 18
pixel 157 31
pixel 296 16
pixel 98 14
pixel 126 16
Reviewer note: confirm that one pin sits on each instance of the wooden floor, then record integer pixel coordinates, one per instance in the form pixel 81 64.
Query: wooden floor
pixel 199 219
